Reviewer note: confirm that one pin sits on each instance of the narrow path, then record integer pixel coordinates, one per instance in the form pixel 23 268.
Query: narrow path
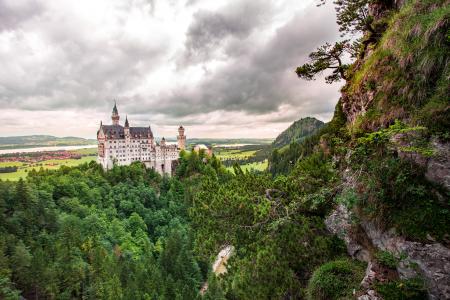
pixel 219 266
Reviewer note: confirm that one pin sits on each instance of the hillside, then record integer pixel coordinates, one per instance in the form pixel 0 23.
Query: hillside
pixel 31 141
pixel 298 131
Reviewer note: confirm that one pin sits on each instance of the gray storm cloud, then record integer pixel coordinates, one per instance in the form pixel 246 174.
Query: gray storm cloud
pixel 211 29
pixel 261 80
pixel 55 58
pixel 15 12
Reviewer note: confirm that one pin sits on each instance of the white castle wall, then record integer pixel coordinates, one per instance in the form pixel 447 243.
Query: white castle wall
pixel 125 148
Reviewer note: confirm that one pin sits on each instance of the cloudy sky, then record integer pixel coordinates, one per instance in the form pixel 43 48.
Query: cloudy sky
pixel 222 68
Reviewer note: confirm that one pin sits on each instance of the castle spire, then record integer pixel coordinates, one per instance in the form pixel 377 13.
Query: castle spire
pixel 115 108
pixel 126 122
pixel 115 115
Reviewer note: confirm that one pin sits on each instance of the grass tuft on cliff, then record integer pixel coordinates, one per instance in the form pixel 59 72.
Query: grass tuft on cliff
pixel 406 75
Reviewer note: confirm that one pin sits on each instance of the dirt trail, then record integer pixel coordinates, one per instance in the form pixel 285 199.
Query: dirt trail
pixel 219 266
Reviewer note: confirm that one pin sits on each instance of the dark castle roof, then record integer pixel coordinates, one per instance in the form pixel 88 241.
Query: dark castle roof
pixel 118 132
pixel 144 131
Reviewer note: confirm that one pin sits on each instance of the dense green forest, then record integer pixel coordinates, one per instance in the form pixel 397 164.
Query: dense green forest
pixel 297 132
pixel 82 233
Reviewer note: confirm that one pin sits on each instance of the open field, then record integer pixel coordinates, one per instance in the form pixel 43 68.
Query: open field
pixel 234 153
pixel 256 166
pixel 24 168
pixel 248 156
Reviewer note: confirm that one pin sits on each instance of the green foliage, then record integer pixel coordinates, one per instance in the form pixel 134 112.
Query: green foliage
pixel 413 289
pixel 7 292
pixel 395 191
pixel 214 291
pixel 387 259
pixel 410 67
pixel 335 280
pixel 195 163
pixel 378 142
pixel 326 57
pixel 282 161
pixel 276 227
pixel 353 16
pixel 83 233
pixel 298 131
pixel 349 198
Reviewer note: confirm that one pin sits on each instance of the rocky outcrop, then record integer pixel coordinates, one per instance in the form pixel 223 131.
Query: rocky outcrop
pixel 430 261
pixel 356 105
pixel 339 223
pixel 437 165
pixel 367 284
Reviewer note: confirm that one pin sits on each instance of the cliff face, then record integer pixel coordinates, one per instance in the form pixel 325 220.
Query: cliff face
pixel 431 261
pixel 397 110
pixel 404 76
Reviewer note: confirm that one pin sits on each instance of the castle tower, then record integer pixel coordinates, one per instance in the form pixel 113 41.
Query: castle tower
pixel 163 142
pixel 126 129
pixel 115 115
pixel 181 138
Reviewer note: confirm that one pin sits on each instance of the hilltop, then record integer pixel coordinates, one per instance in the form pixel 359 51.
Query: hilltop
pixel 298 131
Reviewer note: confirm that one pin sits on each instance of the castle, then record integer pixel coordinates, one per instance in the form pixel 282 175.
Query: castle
pixel 123 145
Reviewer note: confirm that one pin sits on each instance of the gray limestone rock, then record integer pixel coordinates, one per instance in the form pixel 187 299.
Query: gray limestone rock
pixel 430 261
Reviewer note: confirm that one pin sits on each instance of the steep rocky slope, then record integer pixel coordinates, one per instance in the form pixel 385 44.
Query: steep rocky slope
pixel 393 152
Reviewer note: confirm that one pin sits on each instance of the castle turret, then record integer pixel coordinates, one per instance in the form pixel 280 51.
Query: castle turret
pixel 115 115
pixel 126 129
pixel 181 138
pixel 163 142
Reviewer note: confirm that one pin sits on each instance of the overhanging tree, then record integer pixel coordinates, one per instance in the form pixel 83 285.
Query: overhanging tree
pixel 326 57
pixel 357 16
pixel 353 17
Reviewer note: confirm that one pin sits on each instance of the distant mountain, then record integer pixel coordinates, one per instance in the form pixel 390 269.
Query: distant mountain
pixel 298 131
pixel 31 141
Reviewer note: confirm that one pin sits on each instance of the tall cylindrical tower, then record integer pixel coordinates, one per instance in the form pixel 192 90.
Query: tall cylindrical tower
pixel 181 138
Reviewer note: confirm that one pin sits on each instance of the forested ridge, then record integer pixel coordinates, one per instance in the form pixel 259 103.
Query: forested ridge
pixel 358 210
pixel 298 131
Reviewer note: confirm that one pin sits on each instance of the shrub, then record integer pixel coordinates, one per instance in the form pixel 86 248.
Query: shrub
pixel 335 280
pixel 387 259
pixel 411 289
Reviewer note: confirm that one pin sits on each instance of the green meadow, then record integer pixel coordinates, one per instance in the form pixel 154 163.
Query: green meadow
pixel 24 168
pixel 256 166
pixel 224 153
